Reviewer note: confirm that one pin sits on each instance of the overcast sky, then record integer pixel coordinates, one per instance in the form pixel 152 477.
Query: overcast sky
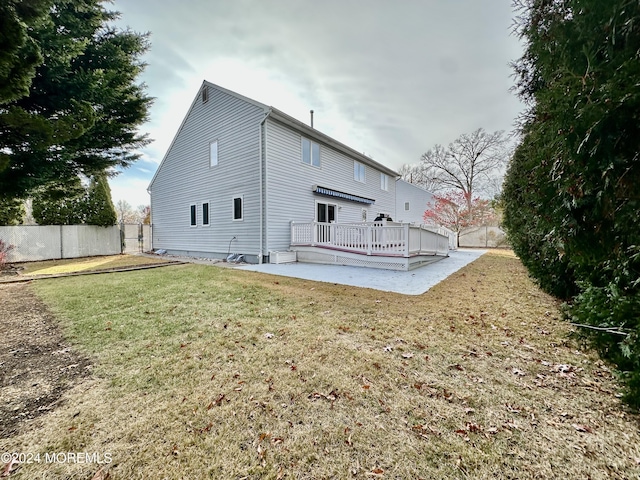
pixel 388 78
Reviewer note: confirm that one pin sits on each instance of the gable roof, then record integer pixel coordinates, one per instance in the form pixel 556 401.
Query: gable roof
pixel 308 131
pixel 413 185
pixel 295 124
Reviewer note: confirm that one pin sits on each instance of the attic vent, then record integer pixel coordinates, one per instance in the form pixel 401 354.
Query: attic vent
pixel 205 94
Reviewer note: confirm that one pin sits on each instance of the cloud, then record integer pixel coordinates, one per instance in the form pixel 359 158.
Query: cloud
pixel 132 190
pixel 391 79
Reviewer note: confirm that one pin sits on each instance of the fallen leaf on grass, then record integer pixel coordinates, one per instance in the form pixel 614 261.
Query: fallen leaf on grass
pixel 423 429
pixel 268 335
pixel 582 428
pixel 217 402
pixel 512 408
pixel 474 428
pixel 457 366
pixel 407 355
pixel 331 396
pixel 517 371
pixel 101 474
pixel 207 428
pixel 10 467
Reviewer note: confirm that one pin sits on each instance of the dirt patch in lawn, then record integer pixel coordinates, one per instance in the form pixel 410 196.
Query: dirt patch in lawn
pixel 36 364
pixel 80 266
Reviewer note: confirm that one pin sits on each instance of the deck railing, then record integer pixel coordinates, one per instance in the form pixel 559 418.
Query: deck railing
pixel 377 238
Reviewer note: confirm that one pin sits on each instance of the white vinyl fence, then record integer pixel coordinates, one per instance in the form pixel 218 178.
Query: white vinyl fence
pixel 48 242
pixel 483 237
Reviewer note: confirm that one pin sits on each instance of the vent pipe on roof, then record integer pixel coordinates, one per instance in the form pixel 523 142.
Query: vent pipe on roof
pixel 311 112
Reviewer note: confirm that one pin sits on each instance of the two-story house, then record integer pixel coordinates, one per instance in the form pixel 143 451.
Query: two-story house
pixel 239 173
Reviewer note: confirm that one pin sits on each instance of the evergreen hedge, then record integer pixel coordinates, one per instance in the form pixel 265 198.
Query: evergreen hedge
pixel 572 192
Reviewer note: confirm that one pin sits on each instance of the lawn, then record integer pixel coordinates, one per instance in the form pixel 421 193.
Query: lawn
pixel 204 372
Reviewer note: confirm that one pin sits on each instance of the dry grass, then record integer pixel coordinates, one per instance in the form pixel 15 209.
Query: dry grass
pixel 85 264
pixel 202 372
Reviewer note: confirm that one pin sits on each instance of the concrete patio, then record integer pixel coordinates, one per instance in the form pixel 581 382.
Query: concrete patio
pixel 414 282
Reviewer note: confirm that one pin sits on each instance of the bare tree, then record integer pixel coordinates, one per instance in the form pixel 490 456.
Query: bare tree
pixel 144 214
pixel 125 212
pixel 417 174
pixel 470 164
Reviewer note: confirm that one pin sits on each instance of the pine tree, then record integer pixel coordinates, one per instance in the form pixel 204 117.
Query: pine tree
pixel 11 211
pixel 20 53
pixel 99 206
pixel 83 107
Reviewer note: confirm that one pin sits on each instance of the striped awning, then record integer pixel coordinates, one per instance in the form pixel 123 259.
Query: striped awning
pixel 328 192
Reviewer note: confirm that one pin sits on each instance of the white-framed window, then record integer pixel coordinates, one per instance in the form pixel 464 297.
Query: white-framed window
pixel 406 206
pixel 358 172
pixel 205 94
pixel 384 181
pixel 310 152
pixel 205 213
pixel 213 153
pixel 364 214
pixel 237 208
pixel 193 215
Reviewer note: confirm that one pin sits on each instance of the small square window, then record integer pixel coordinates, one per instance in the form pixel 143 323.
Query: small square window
pixel 358 172
pixel 194 221
pixel 205 214
pixel 213 153
pixel 237 208
pixel 406 206
pixel 205 94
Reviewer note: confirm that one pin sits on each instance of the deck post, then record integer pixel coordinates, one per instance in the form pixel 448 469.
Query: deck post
pixel 292 237
pixel 405 226
pixel 369 238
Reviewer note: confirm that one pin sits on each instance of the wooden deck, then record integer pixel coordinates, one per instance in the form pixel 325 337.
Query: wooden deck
pixel 394 246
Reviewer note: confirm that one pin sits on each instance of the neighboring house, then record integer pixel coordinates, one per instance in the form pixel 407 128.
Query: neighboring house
pixel 239 172
pixel 411 202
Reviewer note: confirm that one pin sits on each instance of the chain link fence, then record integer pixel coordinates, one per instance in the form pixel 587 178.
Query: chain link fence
pixel 135 237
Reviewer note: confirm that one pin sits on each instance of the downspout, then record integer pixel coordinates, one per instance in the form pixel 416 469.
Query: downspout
pixel 262 153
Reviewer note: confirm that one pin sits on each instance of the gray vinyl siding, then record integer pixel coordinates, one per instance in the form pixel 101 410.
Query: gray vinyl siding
pixel 185 178
pixel 417 198
pixel 289 184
